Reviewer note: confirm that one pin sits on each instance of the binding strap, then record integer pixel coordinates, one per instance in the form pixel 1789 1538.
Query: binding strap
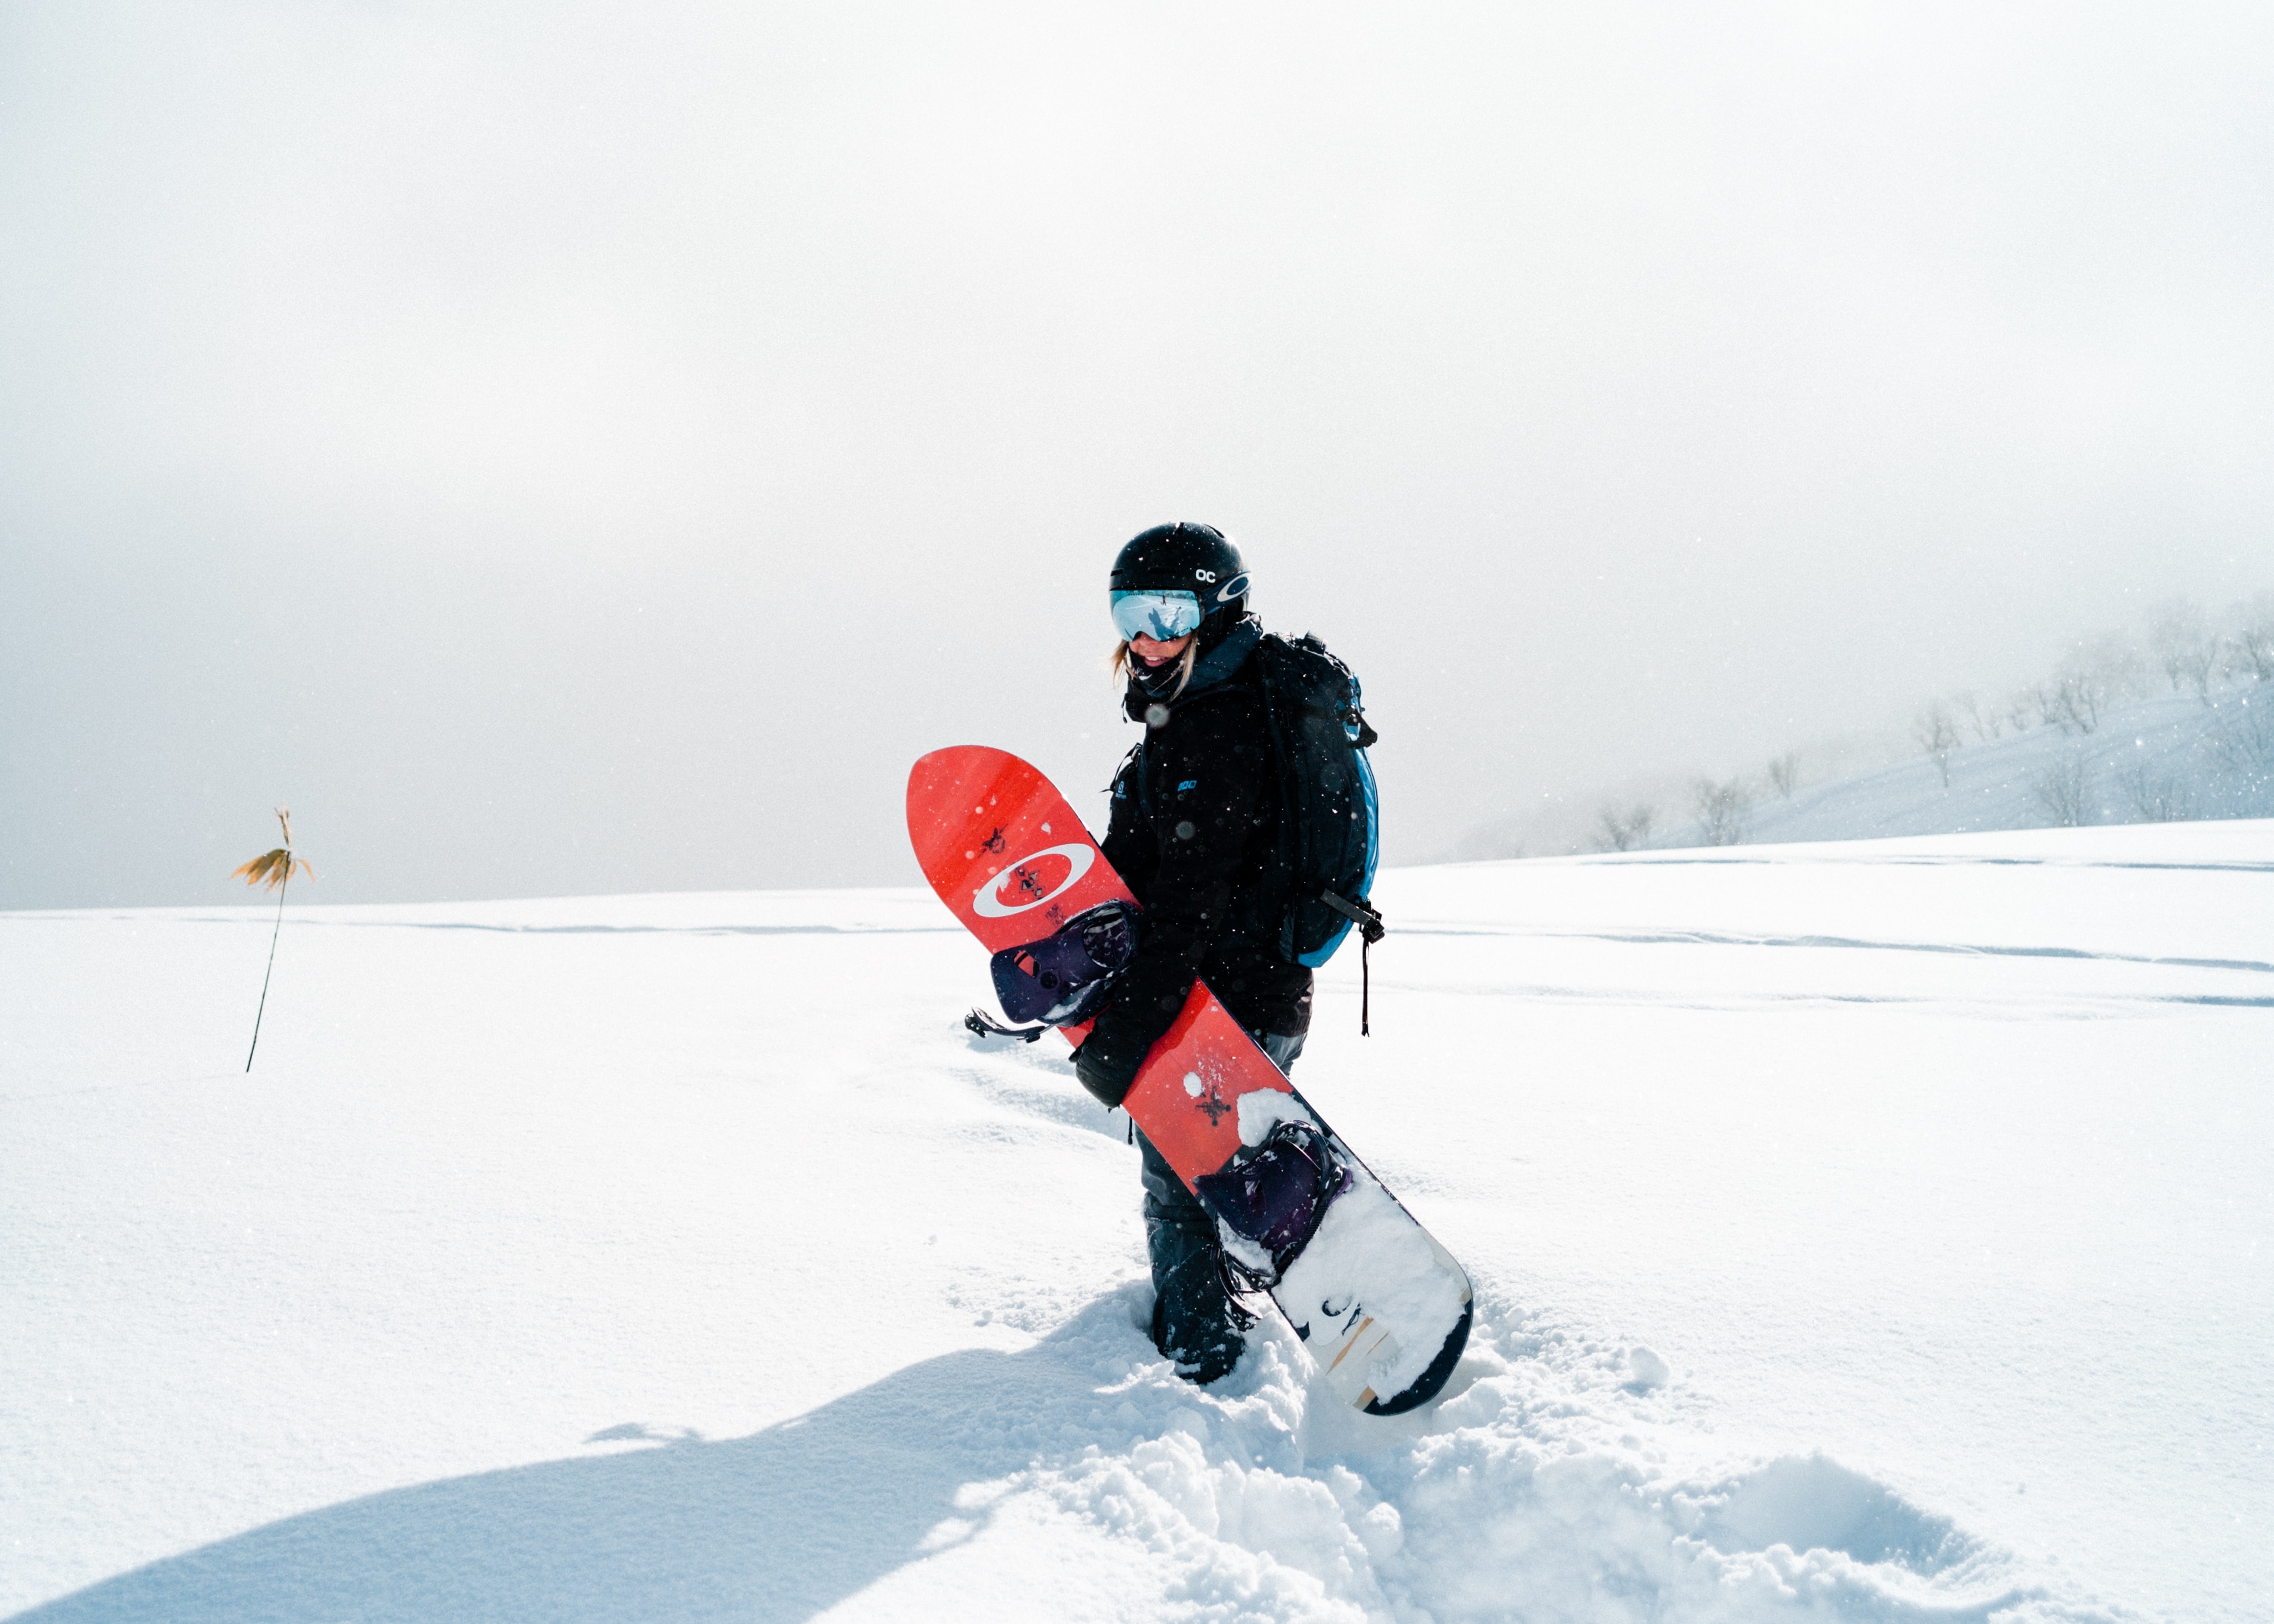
pixel 980 1025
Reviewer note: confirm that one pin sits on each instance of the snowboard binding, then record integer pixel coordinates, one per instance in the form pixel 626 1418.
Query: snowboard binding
pixel 1270 1200
pixel 1064 978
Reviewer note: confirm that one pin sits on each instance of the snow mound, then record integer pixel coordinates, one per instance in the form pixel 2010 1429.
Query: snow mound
pixel 1536 1490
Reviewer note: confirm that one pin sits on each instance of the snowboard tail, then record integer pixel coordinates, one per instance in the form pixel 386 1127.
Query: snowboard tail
pixel 1382 1307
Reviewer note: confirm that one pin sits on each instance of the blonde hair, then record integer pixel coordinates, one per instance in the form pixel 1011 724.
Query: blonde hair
pixel 1120 664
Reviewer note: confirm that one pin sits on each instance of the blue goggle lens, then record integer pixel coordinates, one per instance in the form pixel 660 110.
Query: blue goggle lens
pixel 1162 616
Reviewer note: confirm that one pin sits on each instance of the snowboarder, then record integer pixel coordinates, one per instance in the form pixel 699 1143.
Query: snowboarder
pixel 1194 815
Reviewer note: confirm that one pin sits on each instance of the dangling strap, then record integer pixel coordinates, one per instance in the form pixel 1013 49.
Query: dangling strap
pixel 1365 985
pixel 981 1026
pixel 1371 929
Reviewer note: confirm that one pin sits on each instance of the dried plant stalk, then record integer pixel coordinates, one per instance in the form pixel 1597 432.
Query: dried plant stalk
pixel 274 869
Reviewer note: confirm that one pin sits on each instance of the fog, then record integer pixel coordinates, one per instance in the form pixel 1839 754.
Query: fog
pixel 562 449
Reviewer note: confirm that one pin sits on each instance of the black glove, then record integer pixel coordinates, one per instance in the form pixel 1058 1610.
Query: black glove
pixel 1103 1068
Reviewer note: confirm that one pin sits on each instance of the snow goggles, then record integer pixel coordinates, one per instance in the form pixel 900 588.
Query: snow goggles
pixel 1162 616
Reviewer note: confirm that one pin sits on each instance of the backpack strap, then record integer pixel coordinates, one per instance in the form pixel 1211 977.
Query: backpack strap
pixel 1370 930
pixel 1367 918
pixel 1283 774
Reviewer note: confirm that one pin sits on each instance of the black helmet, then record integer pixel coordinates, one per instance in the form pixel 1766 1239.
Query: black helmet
pixel 1167 580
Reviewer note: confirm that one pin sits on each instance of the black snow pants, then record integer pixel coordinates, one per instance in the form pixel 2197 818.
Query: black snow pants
pixel 1194 1321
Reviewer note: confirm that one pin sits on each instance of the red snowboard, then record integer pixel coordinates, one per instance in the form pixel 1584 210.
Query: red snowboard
pixel 1383 1308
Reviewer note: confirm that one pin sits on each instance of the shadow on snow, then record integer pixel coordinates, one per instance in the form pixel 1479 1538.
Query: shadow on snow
pixel 780 1524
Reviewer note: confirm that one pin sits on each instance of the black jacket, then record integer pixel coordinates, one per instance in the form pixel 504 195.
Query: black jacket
pixel 1195 813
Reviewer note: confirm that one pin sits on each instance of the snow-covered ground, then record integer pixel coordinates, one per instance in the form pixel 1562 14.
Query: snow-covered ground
pixel 1867 1230
pixel 2168 759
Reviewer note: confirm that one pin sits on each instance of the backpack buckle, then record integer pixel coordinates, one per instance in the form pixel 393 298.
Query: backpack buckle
pixel 1361 913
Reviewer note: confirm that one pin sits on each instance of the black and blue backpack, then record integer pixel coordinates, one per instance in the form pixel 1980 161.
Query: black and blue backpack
pixel 1316 885
pixel 1322 867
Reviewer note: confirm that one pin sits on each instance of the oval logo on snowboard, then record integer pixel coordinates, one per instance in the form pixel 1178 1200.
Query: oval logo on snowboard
pixel 1029 886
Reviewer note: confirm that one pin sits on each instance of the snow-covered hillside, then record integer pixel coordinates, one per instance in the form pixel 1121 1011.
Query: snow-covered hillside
pixel 2160 760
pixel 1870 1230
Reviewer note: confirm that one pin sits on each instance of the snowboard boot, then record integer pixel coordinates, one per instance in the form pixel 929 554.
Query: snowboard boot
pixel 1196 1321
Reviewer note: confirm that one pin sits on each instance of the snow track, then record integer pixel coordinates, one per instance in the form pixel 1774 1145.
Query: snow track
pixel 1860 1232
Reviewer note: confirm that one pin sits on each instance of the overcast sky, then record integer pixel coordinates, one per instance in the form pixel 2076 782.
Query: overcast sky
pixel 570 448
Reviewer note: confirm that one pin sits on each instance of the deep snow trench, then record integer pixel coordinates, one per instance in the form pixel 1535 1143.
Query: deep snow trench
pixel 1861 1231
